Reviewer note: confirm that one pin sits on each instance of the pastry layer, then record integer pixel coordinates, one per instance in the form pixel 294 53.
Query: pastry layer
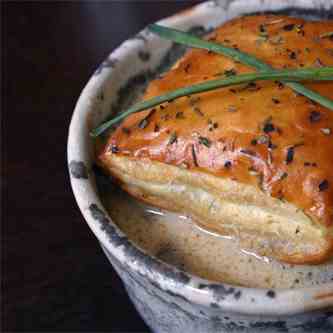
pixel 263 224
pixel 261 136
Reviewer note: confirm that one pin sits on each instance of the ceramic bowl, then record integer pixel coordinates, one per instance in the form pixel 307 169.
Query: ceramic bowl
pixel 169 299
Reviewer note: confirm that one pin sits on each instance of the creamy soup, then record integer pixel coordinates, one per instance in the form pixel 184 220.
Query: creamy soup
pixel 175 239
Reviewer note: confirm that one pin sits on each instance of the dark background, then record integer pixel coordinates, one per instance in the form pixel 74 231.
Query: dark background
pixel 54 274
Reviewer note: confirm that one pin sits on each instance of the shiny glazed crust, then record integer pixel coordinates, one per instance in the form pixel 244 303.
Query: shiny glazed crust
pixel 253 161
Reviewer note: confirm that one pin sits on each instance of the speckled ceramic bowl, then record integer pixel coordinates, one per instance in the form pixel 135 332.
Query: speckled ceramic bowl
pixel 168 299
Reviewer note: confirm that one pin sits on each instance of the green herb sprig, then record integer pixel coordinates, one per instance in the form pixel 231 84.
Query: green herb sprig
pixel 247 59
pixel 266 72
pixel 304 74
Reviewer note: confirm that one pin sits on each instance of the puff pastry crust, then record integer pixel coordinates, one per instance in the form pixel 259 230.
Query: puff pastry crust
pixel 252 161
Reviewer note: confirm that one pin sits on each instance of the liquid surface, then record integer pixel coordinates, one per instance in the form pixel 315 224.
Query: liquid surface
pixel 175 239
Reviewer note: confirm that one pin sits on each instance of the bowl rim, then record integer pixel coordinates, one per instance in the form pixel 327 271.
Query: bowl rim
pixel 226 297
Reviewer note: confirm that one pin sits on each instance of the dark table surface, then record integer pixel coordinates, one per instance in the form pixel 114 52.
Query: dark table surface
pixel 54 275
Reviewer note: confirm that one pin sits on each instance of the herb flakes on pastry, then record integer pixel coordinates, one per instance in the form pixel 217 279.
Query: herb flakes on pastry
pixel 253 161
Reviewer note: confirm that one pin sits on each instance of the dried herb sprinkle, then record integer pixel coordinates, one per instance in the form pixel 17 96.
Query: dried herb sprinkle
pixel 323 186
pixel 205 141
pixel 173 138
pixel 288 27
pixel 194 156
pixel 290 155
pixel 114 149
pixel 314 116
pixel 227 164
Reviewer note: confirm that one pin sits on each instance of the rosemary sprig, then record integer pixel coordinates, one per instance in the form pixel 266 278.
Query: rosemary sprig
pixel 322 73
pixel 190 40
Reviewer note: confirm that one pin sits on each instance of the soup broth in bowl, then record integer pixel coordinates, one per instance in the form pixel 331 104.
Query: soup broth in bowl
pixel 177 240
pixel 182 277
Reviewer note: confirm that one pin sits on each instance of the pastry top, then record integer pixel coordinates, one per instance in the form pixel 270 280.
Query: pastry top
pixel 262 134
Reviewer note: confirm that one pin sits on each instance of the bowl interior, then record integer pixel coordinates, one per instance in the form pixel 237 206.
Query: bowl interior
pixel 120 79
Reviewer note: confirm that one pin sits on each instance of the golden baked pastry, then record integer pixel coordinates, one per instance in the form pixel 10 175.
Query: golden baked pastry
pixel 253 161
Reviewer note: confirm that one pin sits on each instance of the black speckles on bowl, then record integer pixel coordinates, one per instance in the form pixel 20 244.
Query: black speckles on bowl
pixel 107 63
pixel 237 294
pixel 105 225
pixel 214 305
pixel 307 13
pixel 324 322
pixel 271 294
pixel 99 215
pixel 219 291
pixel 169 299
pixel 144 55
pixel 78 170
pixel 267 326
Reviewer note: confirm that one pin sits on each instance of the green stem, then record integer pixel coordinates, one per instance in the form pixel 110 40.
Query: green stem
pixel 323 73
pixel 190 40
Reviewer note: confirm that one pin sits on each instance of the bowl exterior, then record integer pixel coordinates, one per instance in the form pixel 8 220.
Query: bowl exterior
pixel 170 300
pixel 167 312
